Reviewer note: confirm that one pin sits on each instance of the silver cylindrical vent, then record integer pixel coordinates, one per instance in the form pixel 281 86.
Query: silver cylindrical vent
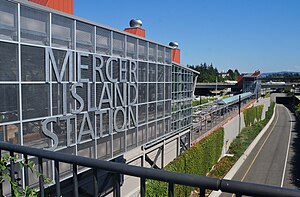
pixel 135 23
pixel 173 44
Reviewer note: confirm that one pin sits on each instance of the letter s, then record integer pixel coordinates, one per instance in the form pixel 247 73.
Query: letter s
pixel 50 134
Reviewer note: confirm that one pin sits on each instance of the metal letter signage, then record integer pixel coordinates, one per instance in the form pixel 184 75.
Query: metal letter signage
pixel 116 91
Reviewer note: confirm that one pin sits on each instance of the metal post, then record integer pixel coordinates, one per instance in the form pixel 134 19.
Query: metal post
pixel 12 170
pixel 117 189
pixel 205 124
pixel 143 186
pixel 216 86
pixel 239 113
pixel 41 178
pixel 202 192
pixel 26 170
pixel 1 185
pixel 75 181
pixel 200 100
pixel 171 189
pixel 95 177
pixel 163 155
pixel 57 183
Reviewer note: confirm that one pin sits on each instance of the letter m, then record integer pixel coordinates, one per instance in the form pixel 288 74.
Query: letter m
pixel 50 61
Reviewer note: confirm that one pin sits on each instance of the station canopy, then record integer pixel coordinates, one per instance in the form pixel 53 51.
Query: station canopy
pixel 233 99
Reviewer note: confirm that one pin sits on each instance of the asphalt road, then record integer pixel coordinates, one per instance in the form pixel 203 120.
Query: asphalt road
pixel 272 161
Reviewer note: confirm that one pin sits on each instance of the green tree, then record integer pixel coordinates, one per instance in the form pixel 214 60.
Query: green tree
pixel 209 73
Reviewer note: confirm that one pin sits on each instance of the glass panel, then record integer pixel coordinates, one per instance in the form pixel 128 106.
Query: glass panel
pixel 160 128
pixel 64 168
pixel 143 50
pixel 160 73
pixel 142 90
pixel 86 73
pixel 151 131
pixel 8 20
pixel 34 26
pixel 8 62
pixel 168 91
pixel 35 100
pixel 131 47
pixel 47 171
pixel 151 111
pixel 60 129
pixel 62 32
pixel 167 108
pixel 142 111
pixel 152 92
pixel 118 143
pixel 86 149
pixel 84 37
pixel 152 72
pixel 152 52
pixel 142 134
pixel 142 72
pixel 10 133
pixel 9 105
pixel 167 125
pixel 107 92
pixel 104 147
pixel 131 139
pixel 118 44
pixel 160 54
pixel 160 91
pixel 168 56
pixel 160 110
pixel 103 38
pixel 58 99
pixel 33 60
pixel 60 57
pixel 33 135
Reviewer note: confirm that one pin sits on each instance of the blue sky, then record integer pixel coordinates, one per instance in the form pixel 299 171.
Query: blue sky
pixel 242 34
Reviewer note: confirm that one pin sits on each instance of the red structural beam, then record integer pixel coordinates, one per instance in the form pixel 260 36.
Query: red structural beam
pixel 61 5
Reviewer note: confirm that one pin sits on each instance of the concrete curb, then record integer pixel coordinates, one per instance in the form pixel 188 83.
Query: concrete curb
pixel 241 160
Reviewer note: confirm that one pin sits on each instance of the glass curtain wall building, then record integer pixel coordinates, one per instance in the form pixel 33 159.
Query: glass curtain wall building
pixel 75 86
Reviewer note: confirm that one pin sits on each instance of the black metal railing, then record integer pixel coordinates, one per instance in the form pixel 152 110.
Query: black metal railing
pixel 172 178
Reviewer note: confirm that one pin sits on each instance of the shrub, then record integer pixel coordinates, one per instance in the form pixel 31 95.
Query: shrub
pixel 197 160
pixel 252 115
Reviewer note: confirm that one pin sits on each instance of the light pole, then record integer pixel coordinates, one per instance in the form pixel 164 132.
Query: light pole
pixel 216 85
pixel 293 95
pixel 239 113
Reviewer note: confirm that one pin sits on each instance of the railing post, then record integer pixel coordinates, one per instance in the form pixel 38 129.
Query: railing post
pixel 1 185
pixel 143 187
pixel 12 170
pixel 117 189
pixel 75 181
pixel 41 178
pixel 26 170
pixel 171 190
pixel 57 183
pixel 95 177
pixel 202 192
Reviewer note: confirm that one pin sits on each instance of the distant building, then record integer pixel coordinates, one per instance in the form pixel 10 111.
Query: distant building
pixel 249 82
pixel 224 74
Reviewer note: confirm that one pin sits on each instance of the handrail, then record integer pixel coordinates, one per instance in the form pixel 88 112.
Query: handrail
pixel 155 174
